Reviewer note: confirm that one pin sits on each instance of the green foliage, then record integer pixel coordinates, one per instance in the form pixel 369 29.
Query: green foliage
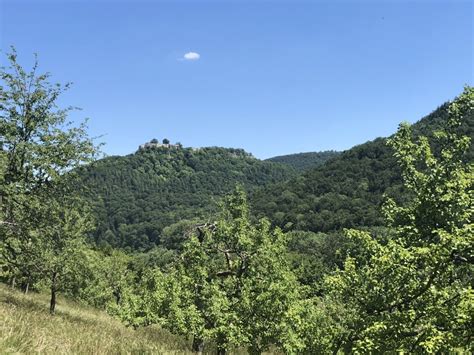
pixel 38 141
pixel 305 161
pixel 231 285
pixel 313 255
pixel 173 236
pixel 56 247
pixel 413 293
pixel 135 197
pixel 110 279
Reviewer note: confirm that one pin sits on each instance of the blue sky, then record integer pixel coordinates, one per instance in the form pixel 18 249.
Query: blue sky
pixel 272 77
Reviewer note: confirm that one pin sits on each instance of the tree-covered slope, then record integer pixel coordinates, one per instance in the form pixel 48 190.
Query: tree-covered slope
pixel 136 196
pixel 346 191
pixel 305 161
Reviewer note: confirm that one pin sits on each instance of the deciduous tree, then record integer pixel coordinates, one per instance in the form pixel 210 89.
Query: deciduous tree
pixel 39 148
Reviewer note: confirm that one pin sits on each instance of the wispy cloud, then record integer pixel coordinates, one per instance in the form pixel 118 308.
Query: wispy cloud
pixel 191 56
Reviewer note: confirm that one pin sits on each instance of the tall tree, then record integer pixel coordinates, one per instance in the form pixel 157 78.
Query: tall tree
pixel 39 148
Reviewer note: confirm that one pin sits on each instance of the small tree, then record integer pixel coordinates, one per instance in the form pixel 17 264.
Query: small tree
pixel 166 141
pixel 413 293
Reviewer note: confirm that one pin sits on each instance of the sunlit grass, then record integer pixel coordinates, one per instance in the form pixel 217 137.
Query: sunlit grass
pixel 27 327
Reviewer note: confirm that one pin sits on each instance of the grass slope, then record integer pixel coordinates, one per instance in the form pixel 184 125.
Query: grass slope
pixel 27 327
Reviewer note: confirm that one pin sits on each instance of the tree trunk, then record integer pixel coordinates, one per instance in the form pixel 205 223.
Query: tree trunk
pixel 13 281
pixel 27 287
pixel 198 345
pixel 117 297
pixel 52 304
pixel 222 344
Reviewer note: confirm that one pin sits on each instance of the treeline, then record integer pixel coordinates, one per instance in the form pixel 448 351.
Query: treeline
pixel 234 280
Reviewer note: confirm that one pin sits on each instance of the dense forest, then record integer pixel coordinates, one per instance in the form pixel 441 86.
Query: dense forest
pixel 305 161
pixel 368 251
pixel 135 197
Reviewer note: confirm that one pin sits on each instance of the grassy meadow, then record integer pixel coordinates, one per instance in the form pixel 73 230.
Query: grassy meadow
pixel 27 327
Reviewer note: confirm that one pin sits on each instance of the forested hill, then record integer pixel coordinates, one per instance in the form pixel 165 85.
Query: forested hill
pixel 348 190
pixel 305 161
pixel 136 196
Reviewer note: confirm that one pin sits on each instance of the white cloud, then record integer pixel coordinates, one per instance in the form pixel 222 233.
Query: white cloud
pixel 191 56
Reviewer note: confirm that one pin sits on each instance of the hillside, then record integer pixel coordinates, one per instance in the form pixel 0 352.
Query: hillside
pixel 27 327
pixel 305 161
pixel 136 196
pixel 348 190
